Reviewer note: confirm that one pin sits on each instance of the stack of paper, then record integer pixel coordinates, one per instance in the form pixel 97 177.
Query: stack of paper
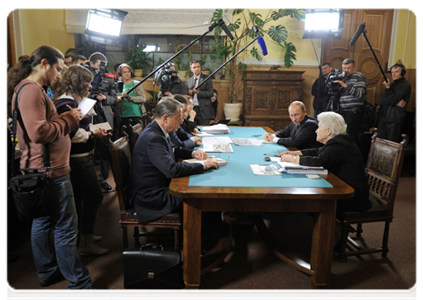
pixel 293 168
pixel 216 129
pixel 246 142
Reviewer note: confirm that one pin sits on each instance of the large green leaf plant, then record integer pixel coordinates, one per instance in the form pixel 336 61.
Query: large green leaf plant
pixel 243 32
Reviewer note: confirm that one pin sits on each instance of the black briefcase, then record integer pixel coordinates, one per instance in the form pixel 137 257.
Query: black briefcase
pixel 152 267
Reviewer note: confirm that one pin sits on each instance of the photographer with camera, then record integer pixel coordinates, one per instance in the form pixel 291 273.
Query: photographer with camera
pixel 352 97
pixel 170 83
pixel 104 92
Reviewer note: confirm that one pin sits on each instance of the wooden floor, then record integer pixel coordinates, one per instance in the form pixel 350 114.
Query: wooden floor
pixel 250 266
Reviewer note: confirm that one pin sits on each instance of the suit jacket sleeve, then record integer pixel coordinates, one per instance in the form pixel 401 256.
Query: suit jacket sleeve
pixel 163 159
pixel 284 133
pixel 206 90
pixel 306 133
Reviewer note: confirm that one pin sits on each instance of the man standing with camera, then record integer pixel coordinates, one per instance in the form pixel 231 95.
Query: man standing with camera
pixel 353 96
pixel 176 85
pixel 103 92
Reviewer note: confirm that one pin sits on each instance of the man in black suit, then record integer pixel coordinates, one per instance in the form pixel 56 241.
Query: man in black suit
pixel 301 133
pixel 201 97
pixel 155 163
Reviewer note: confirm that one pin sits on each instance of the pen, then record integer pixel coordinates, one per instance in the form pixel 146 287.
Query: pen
pixel 256 135
pixel 269 154
pixel 68 106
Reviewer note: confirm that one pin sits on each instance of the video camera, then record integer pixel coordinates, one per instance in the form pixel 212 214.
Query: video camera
pixel 165 77
pixel 101 86
pixel 333 89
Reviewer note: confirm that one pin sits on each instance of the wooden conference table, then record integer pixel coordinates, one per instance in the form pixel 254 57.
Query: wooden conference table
pixel 321 201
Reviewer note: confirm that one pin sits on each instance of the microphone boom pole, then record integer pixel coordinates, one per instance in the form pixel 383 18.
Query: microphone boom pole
pixel 235 55
pixel 374 54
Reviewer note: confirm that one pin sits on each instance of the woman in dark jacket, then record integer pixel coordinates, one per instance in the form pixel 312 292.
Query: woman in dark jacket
pixel 339 155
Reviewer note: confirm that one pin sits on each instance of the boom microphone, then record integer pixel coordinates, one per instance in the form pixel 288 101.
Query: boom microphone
pixel 262 45
pixel 260 41
pixel 357 34
pixel 226 29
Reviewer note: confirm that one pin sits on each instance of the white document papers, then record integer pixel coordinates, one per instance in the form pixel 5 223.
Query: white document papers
pixel 86 105
pixel 216 129
pixel 217 148
pixel 220 161
pixel 104 125
pixel 265 170
pixel 217 144
pixel 246 142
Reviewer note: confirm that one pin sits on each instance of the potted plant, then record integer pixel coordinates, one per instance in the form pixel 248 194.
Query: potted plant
pixel 242 30
pixel 182 62
pixel 205 68
pixel 138 59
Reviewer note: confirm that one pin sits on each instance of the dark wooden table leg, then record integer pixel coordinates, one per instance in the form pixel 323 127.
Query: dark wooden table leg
pixel 322 248
pixel 192 246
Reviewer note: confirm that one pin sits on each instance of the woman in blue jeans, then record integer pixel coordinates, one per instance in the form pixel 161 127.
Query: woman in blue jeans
pixel 75 86
pixel 53 237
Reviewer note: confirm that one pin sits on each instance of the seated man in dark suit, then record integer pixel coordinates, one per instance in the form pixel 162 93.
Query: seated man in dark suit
pixel 301 133
pixel 155 163
pixel 180 137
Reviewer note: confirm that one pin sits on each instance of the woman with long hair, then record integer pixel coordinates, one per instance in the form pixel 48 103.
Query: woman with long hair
pixel 74 87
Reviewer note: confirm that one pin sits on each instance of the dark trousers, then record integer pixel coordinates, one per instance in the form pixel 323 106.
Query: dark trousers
pixel 87 190
pixel 353 121
pixel 199 118
pixel 389 131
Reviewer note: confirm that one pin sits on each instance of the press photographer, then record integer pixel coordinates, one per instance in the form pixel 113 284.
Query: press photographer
pixel 353 97
pixel 170 83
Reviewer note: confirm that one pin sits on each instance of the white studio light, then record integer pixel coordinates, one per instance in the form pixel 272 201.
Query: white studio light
pixel 324 23
pixel 104 25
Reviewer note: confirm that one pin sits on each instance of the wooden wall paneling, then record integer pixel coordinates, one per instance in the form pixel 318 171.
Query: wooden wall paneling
pixel 11 58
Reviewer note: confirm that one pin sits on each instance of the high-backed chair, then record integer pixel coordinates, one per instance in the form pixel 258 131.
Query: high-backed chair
pixel 134 133
pixel 382 171
pixel 121 162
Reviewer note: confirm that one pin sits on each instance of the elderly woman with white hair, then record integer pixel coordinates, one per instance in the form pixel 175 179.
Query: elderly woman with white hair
pixel 339 155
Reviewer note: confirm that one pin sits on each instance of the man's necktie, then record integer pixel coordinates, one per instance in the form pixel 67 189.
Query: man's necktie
pixel 295 130
pixel 194 97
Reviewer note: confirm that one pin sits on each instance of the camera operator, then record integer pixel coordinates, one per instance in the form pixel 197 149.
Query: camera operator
pixel 320 91
pixel 103 91
pixel 175 86
pixel 353 96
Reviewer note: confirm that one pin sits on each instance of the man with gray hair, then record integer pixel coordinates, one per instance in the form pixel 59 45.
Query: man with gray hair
pixel 353 96
pixel 155 163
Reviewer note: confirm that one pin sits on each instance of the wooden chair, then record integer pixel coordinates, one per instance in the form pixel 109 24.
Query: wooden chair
pixel 382 171
pixel 134 132
pixel 121 162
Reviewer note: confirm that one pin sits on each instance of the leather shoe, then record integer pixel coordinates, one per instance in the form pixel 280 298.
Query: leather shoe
pixel 105 186
pixel 55 278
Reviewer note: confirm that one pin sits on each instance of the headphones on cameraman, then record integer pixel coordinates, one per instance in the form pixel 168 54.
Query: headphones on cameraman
pixel 398 65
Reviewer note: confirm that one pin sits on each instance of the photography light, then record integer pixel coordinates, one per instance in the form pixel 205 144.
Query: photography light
pixel 104 25
pixel 324 24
